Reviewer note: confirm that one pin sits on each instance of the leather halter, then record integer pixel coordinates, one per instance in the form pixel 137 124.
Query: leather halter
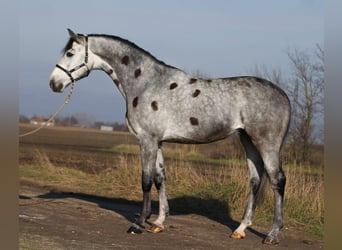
pixel 84 64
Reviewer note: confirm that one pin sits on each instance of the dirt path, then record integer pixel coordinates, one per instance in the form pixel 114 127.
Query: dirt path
pixel 55 220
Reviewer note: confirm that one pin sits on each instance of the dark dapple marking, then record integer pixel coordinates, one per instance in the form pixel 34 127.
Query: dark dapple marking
pixel 154 106
pixel 173 85
pixel 194 121
pixel 248 84
pixel 253 107
pixel 137 73
pixel 135 101
pixel 125 60
pixel 192 80
pixel 196 93
pixel 110 72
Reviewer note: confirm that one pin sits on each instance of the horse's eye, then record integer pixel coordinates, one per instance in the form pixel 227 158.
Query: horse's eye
pixel 69 54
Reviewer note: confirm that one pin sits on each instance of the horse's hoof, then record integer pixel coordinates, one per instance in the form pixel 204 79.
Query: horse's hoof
pixel 237 235
pixel 135 229
pixel 271 240
pixel 155 229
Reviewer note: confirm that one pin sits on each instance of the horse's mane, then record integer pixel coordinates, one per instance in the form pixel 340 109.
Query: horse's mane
pixel 122 40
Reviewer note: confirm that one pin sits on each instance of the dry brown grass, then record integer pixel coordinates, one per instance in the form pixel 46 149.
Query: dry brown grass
pixel 108 164
pixel 304 202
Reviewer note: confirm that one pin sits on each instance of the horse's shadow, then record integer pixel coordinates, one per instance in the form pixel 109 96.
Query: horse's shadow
pixel 213 209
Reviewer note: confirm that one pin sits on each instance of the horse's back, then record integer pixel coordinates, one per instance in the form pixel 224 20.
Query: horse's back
pixel 213 109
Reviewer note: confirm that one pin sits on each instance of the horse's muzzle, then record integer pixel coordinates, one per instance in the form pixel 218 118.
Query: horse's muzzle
pixel 56 87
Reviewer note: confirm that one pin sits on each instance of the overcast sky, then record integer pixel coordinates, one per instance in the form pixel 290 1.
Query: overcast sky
pixel 220 38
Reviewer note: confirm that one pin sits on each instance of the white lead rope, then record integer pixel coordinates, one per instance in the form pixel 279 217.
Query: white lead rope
pixel 66 101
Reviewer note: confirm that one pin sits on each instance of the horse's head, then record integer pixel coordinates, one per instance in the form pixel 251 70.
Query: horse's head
pixel 74 63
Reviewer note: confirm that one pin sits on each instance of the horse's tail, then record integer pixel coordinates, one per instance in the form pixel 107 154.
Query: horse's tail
pixel 251 149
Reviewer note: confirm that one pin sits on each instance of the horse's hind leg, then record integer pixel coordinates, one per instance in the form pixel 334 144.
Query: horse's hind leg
pixel 257 179
pixel 159 181
pixel 278 181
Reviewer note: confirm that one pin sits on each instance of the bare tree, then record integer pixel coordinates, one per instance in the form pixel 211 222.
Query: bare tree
pixel 305 89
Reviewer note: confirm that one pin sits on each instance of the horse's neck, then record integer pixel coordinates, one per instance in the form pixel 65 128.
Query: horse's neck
pixel 135 70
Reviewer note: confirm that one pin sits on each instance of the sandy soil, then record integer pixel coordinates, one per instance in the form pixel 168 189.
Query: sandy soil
pixel 50 219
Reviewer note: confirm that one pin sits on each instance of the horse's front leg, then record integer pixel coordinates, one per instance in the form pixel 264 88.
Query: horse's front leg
pixel 149 149
pixel 159 181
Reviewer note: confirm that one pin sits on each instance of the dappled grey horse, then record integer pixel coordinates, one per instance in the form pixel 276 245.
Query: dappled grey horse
pixel 165 104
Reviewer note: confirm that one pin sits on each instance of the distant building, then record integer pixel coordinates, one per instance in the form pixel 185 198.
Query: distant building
pixel 42 121
pixel 106 128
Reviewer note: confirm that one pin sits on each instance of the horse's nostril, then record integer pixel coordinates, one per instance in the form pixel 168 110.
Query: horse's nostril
pixel 52 85
pixel 56 87
pixel 59 87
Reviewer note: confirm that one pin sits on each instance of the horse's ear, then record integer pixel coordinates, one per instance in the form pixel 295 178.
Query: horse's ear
pixel 74 36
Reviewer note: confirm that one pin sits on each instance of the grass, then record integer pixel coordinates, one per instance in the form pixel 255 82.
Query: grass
pixel 194 156
pixel 194 173
pixel 184 180
pixel 170 153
